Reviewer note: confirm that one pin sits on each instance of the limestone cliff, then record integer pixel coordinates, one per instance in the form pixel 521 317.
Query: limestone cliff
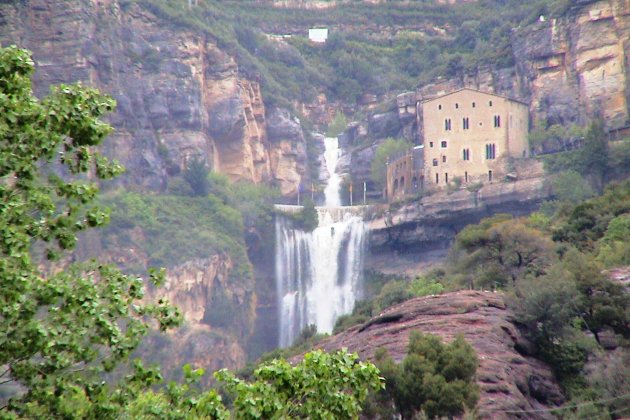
pixel 509 379
pixel 219 316
pixel 179 95
pixel 576 67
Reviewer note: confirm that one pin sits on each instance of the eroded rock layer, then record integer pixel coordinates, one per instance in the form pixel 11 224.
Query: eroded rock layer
pixel 510 381
pixel 179 96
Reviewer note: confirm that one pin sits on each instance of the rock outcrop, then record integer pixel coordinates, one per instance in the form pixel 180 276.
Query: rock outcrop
pixel 179 95
pixel 202 288
pixel 219 316
pixel 420 232
pixel 576 67
pixel 510 381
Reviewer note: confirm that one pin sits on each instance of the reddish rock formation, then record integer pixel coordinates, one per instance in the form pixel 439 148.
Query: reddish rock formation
pixel 510 381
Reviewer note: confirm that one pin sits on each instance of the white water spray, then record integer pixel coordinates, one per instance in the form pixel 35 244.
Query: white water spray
pixel 318 274
pixel 331 155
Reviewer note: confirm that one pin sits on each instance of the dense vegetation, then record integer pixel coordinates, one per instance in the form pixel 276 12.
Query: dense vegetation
pixel 434 379
pixel 551 267
pixel 372 48
pixel 63 332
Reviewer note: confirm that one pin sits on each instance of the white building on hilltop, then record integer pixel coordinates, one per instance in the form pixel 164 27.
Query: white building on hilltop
pixel 319 35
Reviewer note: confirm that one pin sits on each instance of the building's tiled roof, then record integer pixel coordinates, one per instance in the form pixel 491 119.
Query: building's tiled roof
pixel 475 90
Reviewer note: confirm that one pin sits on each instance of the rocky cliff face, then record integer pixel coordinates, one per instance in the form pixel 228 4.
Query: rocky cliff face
pixel 420 232
pixel 509 379
pixel 570 70
pixel 219 316
pixel 576 67
pixel 179 96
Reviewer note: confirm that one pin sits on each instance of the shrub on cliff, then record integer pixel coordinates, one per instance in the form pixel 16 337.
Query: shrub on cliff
pixel 435 379
pixel 196 175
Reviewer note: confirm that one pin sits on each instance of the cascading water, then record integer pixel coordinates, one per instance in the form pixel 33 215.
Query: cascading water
pixel 318 274
pixel 331 155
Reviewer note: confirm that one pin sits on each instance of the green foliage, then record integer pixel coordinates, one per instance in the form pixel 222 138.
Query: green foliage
pixel 196 175
pixel 321 386
pixel 602 303
pixel 358 58
pixel 427 285
pixel 307 219
pixel 392 293
pixel 592 160
pixel 555 137
pixel 500 251
pixel 570 186
pixel 585 224
pixel 546 304
pixel 378 166
pixel 337 125
pixel 177 401
pixel 614 247
pixel 61 332
pixel 254 202
pixel 172 224
pixel 434 378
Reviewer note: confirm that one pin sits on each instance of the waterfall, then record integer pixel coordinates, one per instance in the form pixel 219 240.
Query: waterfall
pixel 331 155
pixel 318 274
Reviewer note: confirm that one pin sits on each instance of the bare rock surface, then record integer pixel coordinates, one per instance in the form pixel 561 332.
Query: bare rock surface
pixel 179 95
pixel 509 380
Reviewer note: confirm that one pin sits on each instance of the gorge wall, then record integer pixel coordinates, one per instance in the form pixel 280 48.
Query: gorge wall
pixel 179 96
pixel 570 70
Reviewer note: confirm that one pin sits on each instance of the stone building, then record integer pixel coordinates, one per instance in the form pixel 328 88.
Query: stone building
pixel 405 173
pixel 470 136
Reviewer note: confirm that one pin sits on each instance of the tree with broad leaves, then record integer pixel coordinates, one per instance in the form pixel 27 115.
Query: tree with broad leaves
pixel 62 332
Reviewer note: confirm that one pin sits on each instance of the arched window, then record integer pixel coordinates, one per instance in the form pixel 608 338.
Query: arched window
pixel 395 186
